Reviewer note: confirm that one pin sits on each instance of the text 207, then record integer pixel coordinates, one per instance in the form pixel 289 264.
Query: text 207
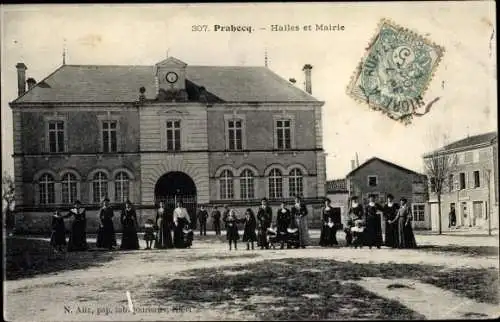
pixel 199 28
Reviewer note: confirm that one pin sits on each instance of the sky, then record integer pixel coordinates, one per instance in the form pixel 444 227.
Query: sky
pixel 122 34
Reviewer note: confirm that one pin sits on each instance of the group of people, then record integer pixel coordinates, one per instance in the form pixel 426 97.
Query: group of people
pixel 260 229
pixel 165 223
pixel 364 224
pixel 175 229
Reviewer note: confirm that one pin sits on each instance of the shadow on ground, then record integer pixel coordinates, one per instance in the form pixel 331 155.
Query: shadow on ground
pixel 30 257
pixel 315 288
pixel 462 250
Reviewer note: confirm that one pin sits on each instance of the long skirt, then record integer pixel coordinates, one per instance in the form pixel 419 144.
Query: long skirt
pixel 249 235
pixel 391 235
pixel 164 236
pixel 106 237
pixel 78 236
pixel 58 238
pixel 181 240
pixel 303 231
pixel 373 232
pixel 129 237
pixel 328 236
pixel 406 238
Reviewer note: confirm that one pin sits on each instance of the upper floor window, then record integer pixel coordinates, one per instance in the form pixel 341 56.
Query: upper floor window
pixel 47 191
pixel 450 182
pixel 68 185
pixel 122 187
pixel 462 181
pixel 56 136
pixel 283 134
pixel 235 134
pixel 477 179
pixel 173 135
pixel 226 185
pixel 468 157
pixel 295 182
pixel 109 133
pixel 99 186
pixel 275 184
pixel 372 181
pixel 247 185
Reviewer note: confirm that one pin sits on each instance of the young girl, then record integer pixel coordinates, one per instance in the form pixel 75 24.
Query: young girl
pixel 58 236
pixel 232 229
pixel 357 233
pixel 249 235
pixel 149 233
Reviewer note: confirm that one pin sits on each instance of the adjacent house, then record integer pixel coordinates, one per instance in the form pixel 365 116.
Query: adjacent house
pixel 471 187
pixel 380 178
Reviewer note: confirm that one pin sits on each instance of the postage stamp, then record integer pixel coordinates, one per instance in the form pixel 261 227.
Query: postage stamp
pixel 395 71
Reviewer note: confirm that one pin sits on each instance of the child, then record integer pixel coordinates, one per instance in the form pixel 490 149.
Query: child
pixel 249 235
pixel 58 236
pixel 149 233
pixel 232 229
pixel 357 233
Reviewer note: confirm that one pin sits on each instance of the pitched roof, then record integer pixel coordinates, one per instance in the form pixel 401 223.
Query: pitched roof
pixel 93 83
pixel 383 161
pixel 471 141
pixel 338 185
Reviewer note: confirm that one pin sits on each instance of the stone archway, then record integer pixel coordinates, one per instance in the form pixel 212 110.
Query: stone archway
pixel 176 185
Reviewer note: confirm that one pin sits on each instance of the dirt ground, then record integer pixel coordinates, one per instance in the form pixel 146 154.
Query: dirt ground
pixel 99 291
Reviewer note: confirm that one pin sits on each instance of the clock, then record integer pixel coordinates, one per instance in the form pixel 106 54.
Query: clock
pixel 172 77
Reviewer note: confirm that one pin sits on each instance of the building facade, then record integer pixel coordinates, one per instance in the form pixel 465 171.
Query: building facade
pixel 209 135
pixel 381 177
pixel 471 187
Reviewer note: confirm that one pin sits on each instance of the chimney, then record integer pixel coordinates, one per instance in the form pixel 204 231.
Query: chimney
pixel 21 78
pixel 353 164
pixel 307 70
pixel 31 83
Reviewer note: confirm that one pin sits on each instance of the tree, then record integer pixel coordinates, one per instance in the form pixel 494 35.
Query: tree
pixel 7 196
pixel 438 166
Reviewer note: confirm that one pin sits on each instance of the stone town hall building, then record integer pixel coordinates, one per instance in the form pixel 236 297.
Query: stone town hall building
pixel 207 134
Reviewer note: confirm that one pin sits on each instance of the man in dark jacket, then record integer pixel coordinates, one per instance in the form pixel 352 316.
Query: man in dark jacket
pixel 216 220
pixel 264 218
pixel 202 217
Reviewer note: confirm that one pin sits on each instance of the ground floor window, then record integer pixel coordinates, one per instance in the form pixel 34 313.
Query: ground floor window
pixel 419 212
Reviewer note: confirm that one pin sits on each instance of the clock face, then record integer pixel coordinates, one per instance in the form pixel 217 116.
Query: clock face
pixel 172 77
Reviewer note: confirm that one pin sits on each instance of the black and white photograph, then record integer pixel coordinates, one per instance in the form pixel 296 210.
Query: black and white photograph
pixel 250 161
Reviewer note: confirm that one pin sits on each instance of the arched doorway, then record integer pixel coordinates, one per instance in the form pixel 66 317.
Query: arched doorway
pixel 173 186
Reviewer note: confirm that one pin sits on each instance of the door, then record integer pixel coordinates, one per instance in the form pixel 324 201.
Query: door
pixel 477 211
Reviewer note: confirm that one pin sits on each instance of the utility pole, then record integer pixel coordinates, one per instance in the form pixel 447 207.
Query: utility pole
pixel 488 204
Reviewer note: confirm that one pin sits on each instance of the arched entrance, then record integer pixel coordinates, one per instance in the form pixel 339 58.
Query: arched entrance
pixel 173 186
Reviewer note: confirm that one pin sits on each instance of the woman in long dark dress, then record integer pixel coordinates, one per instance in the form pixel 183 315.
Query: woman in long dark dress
pixel 58 236
pixel 106 237
pixel 329 228
pixel 78 234
pixel 355 213
pixel 406 238
pixel 373 231
pixel 299 213
pixel 283 218
pixel 391 229
pixel 128 219
pixel 182 222
pixel 165 222
pixel 249 235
